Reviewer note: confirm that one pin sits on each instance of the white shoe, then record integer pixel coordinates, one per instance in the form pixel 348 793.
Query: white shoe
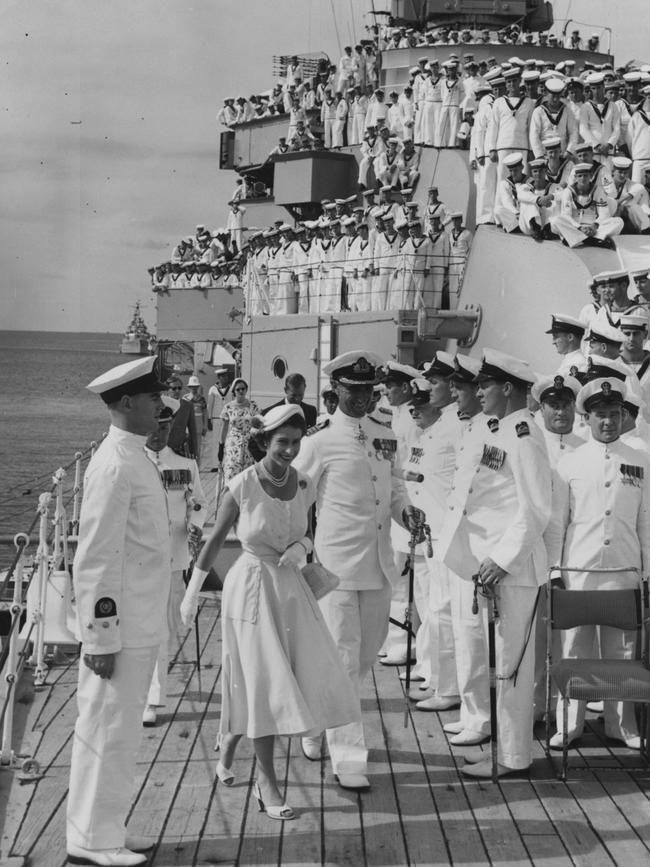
pixel 468 738
pixel 352 781
pixel 312 748
pixel 453 728
pixel 395 657
pixel 224 774
pixel 149 716
pixel 631 741
pixel 105 857
pixel 439 702
pixel 556 741
pixel 415 678
pixel 419 693
pixel 139 844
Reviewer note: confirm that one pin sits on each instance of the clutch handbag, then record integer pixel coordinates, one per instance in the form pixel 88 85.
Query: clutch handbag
pixel 320 580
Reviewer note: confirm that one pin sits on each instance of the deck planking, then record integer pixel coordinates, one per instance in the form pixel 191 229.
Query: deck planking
pixel 420 810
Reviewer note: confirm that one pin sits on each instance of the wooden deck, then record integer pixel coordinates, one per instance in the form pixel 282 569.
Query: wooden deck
pixel 419 811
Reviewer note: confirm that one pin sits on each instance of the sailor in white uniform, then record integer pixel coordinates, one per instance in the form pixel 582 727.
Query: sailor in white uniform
pixel 121 581
pixel 494 530
pixel 639 137
pixel 601 518
pixel 188 509
pixel 584 218
pixel 350 462
pixel 567 333
pixel 218 395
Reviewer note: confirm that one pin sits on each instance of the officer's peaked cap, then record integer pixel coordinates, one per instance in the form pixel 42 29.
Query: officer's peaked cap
pixel 142 376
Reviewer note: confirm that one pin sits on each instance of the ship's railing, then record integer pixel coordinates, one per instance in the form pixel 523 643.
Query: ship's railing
pixel 41 587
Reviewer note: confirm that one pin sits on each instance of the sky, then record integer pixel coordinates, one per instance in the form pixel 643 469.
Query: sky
pixel 110 139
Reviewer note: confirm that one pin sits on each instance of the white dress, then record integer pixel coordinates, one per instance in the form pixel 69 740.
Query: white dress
pixel 282 674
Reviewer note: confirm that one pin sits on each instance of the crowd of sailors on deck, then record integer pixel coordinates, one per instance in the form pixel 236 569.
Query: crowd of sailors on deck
pixel 368 252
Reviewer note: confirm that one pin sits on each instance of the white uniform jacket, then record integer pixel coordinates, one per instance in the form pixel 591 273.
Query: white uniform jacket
pixel 122 566
pixel 601 514
pixel 350 462
pixel 504 511
pixel 186 502
pixel 508 124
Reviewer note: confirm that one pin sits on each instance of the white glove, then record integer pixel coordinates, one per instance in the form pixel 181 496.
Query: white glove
pixel 295 554
pixel 190 603
pixel 189 608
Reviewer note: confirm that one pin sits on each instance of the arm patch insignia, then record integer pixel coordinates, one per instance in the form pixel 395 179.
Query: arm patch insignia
pixel 522 429
pixel 105 607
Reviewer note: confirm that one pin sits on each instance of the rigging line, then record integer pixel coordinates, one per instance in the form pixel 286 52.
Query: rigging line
pixel 354 29
pixel 336 27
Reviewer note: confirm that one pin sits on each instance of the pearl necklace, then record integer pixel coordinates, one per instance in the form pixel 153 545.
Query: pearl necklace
pixel 277 483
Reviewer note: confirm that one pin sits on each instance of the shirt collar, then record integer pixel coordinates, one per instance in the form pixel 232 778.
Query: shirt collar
pixel 134 441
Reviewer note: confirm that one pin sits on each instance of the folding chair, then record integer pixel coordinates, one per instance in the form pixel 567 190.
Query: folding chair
pixel 597 679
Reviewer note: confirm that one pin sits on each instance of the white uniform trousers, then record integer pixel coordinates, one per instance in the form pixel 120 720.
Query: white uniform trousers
pixel 502 170
pixel 441 653
pixel 282 294
pixel 514 696
pixel 582 643
pixel 569 232
pixel 486 188
pixel 158 689
pixel 506 217
pixel 107 736
pixel 303 293
pixel 638 170
pixel 337 133
pixel 380 289
pixel 421 589
pixel 456 270
pixel 357 621
pixel 471 659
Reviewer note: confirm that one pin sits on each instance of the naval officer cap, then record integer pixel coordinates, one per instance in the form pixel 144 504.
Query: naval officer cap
pixel 420 391
pixel 563 324
pixel 559 386
pixel 442 364
pixel 505 368
pixel 465 369
pixel 632 403
pixel 142 376
pixel 359 367
pixel 603 332
pixel 399 372
pixel 603 390
pixel 611 368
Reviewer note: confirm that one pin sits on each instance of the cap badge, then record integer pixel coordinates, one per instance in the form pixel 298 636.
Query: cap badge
pixel 573 370
pixel 558 382
pixel 362 366
pixel 606 388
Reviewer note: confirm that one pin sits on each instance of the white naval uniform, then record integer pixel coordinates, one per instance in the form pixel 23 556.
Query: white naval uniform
pixel 600 519
pixel 578 210
pixel 459 247
pixel 217 399
pixel 121 580
pixel 356 496
pixel 385 262
pixel 486 179
pixel 600 124
pixel 184 495
pixel 507 131
pixel 502 514
pixel 639 137
pixel 433 453
pixel 302 268
pixel 440 252
pixel 545 123
pixel 633 208
pixel 449 115
pixel 358 273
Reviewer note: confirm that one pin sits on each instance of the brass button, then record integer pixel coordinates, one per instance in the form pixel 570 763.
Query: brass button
pixel 608 511
pixel 606 542
pixel 607 484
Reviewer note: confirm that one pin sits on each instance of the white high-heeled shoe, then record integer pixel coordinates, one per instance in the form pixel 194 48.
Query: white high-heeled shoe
pixel 279 811
pixel 224 774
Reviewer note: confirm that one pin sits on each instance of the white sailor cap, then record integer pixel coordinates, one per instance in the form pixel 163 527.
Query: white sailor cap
pixel 637 320
pixel 349 221
pixel 423 59
pixel 350 199
pixel 285 227
pixel 513 160
pixel 358 367
pixel 400 224
pixel 555 386
pixel 142 376
pixel 513 72
pixel 530 75
pixel 538 163
pixel 329 206
pixel 516 61
pixel 482 87
pixel 561 323
pixel 400 372
pixel 555 84
pixel 639 273
pixel 456 215
pixel 579 168
pixel 406 191
pixel 505 368
pixel 621 162
pixel 595 78
pixel 493 73
pixel 632 76
pixel 442 364
pixel 414 70
pixel 311 224
pixel 385 189
pixel 366 194
pixel 646 90
pixel 411 204
pixel 552 141
pixel 604 277
pixel 601 390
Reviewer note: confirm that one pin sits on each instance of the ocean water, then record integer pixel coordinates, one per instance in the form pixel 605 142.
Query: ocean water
pixel 46 413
